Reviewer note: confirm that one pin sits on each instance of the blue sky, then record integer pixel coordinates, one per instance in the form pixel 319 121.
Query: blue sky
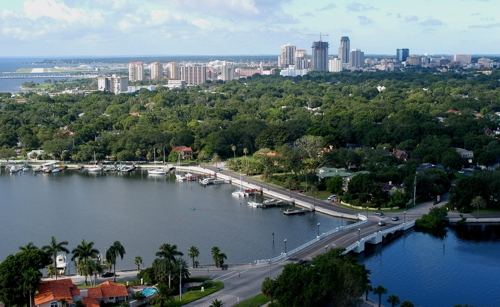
pixel 244 27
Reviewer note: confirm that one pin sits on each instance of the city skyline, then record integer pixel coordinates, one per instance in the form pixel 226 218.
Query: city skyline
pixel 218 27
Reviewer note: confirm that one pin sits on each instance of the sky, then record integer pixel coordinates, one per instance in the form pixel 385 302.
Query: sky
pixel 244 27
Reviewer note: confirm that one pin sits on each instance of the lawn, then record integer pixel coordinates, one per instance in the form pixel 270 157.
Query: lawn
pixel 255 301
pixel 194 295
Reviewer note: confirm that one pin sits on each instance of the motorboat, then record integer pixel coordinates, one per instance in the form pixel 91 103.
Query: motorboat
pixel 26 168
pixel 190 177
pixel 207 181
pixel 180 177
pixel 61 264
pixel 37 169
pixel 14 169
pixel 56 170
pixel 94 169
pixel 157 171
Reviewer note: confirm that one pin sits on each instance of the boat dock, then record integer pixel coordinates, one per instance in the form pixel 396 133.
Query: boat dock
pixel 295 211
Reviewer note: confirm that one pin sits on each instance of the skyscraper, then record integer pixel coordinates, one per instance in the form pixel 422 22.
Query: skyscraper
pixel 356 58
pixel 156 71
pixel 301 59
pixel 345 46
pixel 287 56
pixel 402 54
pixel 173 70
pixel 115 84
pixel 319 56
pixel 135 71
pixel 194 74
pixel 227 71
pixel 335 65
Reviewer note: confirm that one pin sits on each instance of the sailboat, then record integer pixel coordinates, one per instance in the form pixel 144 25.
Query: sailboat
pixel 94 168
pixel 157 171
pixel 178 175
pixel 241 191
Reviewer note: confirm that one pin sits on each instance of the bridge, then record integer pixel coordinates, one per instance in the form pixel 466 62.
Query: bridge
pixel 16 76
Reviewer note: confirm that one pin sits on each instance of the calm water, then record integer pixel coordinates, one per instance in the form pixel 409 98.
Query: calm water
pixel 461 268
pixel 143 212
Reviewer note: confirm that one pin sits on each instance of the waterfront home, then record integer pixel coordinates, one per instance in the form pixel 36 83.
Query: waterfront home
pixel 51 292
pixel 185 151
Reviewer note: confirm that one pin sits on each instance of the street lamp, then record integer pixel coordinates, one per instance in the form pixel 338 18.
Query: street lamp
pixel 285 244
pixel 367 212
pixel 180 280
pixel 342 220
pixel 359 234
pixel 269 268
pixel 326 248
pixel 404 217
pixel 318 229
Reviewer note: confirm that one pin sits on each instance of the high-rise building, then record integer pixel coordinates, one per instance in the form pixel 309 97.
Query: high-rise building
pixel 115 84
pixel 287 56
pixel 156 71
pixel 194 74
pixel 402 54
pixel 413 60
pixel 135 71
pixel 227 71
pixel 462 58
pixel 173 70
pixel 356 58
pixel 345 46
pixel 301 59
pixel 335 65
pixel 319 56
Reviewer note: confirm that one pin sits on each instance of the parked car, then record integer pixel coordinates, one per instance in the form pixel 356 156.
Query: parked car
pixel 107 274
pixel 379 213
pixel 381 223
pixel 331 197
pixel 395 218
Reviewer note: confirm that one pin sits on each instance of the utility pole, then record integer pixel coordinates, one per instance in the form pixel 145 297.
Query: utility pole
pixel 415 190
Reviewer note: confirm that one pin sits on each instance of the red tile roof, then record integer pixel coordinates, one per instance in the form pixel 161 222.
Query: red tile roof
pixel 90 302
pixel 182 148
pixel 53 290
pixel 110 288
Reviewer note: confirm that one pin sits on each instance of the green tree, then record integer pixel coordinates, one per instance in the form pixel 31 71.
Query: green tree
pixel 268 288
pixel 334 184
pixel 53 248
pixel 215 255
pixel 379 290
pixel 112 254
pixel 83 252
pixel 393 300
pixel 193 252
pixel 217 303
pixel 407 303
pixel 7 153
pixel 168 253
pixel 163 296
pixel 31 280
pixel 138 262
pixel 27 247
pixel 368 289
pixel 436 218
pixel 477 203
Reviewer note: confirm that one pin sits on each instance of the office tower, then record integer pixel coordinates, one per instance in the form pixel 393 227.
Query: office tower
pixel 301 59
pixel 345 46
pixel 156 71
pixel 227 72
pixel 319 56
pixel 335 65
pixel 135 71
pixel 402 54
pixel 413 60
pixel 115 84
pixel 173 70
pixel 462 58
pixel 356 58
pixel 287 56
pixel 194 74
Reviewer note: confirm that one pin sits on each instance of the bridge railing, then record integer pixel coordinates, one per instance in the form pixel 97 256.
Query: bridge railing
pixel 362 218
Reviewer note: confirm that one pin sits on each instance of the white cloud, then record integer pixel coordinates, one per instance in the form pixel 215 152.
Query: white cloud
pixel 430 22
pixel 363 20
pixel 360 7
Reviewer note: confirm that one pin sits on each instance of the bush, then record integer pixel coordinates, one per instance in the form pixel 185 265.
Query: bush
pixel 436 218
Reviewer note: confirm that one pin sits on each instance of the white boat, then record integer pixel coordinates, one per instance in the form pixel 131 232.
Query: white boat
pixel 94 168
pixel 156 171
pixel 180 177
pixel 241 191
pixel 127 168
pixel 61 264
pixel 37 169
pixel 190 177
pixel 207 181
pixel 254 204
pixel 26 168
pixel 56 170
pixel 14 169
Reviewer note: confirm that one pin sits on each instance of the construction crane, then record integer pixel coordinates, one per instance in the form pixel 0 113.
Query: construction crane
pixel 320 35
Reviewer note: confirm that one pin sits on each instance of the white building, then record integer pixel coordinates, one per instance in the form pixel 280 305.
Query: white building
pixel 463 59
pixel 356 58
pixel 156 71
pixel 227 71
pixel 135 71
pixel 115 84
pixel 335 65
pixel 301 59
pixel 287 56
pixel 133 89
pixel 289 72
pixel 176 84
pixel 173 70
pixel 194 74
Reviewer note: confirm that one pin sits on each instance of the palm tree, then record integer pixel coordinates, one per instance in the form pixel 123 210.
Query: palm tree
pixel 202 155
pixel 393 300
pixel 379 291
pixel 51 270
pixel 233 148
pixel 96 268
pixel 163 296
pixel 221 259
pixel 216 303
pixel 268 288
pixel 215 255
pixel 28 247
pixel 30 282
pixel 112 253
pixel 180 266
pixel 478 202
pixel 407 303
pixel 216 159
pixel 53 248
pixel 193 252
pixel 245 151
pixel 368 289
pixel 168 253
pixel 138 262
pixel 83 252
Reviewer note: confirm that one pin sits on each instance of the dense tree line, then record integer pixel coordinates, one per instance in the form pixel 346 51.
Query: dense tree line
pixel 382 111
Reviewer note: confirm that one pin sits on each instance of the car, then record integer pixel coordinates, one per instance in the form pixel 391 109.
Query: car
pixel 218 169
pixel 379 213
pixel 107 274
pixel 461 172
pixel 381 223
pixel 331 197
pixel 302 261
pixel 395 218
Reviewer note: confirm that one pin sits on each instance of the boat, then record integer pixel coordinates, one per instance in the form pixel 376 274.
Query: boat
pixel 156 171
pixel 241 191
pixel 192 208
pixel 61 264
pixel 37 169
pixel 207 181
pixel 94 168
pixel 47 167
pixel 56 170
pixel 14 169
pixel 190 177
pixel 126 168
pixel 254 204
pixel 178 175
pixel 26 168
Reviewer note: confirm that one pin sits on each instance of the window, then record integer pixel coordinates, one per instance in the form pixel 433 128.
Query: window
pixel 111 298
pixel 54 304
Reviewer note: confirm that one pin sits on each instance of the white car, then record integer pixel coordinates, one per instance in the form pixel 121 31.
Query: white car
pixel 331 197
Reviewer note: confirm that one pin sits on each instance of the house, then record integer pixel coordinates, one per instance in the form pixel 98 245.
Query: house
pixel 391 188
pixel 401 154
pixel 465 154
pixel 184 151
pixel 346 175
pixel 50 292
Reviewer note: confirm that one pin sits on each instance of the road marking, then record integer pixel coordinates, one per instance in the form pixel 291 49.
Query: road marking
pixel 233 275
